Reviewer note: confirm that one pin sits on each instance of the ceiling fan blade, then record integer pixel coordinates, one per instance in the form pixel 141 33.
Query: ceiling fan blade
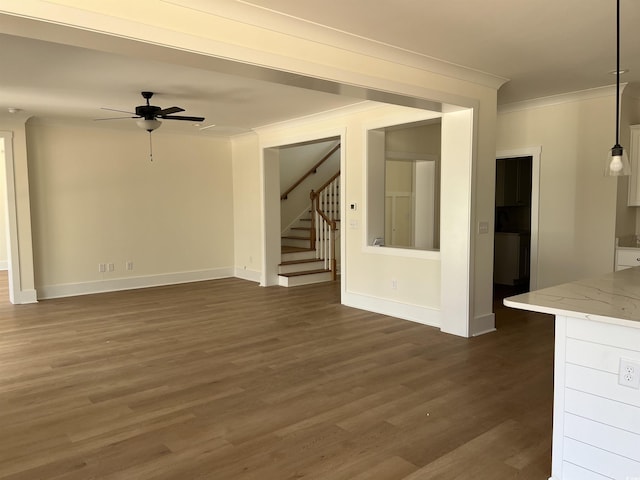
pixel 180 117
pixel 111 118
pixel 114 110
pixel 169 111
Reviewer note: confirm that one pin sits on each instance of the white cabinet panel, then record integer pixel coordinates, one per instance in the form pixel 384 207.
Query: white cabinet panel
pixel 600 461
pixel 574 472
pixel 633 200
pixel 628 257
pixel 603 436
pixel 603 410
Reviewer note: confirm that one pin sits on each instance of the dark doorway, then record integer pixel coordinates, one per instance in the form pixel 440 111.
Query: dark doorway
pixel 512 241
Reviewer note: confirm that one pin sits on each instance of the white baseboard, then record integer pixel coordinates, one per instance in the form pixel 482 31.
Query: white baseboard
pixel 405 311
pixel 24 297
pixel 483 324
pixel 4 265
pixel 244 274
pixel 130 283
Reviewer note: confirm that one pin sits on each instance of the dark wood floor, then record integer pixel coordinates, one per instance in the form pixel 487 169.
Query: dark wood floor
pixel 227 380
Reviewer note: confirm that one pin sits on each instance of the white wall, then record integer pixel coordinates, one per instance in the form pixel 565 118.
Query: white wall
pixel 577 203
pixel 97 198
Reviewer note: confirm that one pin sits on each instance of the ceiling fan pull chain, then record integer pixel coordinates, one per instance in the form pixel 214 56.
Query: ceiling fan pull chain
pixel 150 148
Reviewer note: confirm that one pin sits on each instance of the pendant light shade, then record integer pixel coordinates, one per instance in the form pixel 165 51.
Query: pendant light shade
pixel 149 124
pixel 617 161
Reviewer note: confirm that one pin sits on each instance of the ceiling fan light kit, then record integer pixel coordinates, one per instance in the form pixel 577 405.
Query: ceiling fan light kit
pixel 149 125
pixel 617 162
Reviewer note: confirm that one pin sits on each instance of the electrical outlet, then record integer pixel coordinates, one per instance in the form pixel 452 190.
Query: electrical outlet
pixel 111 267
pixel 129 265
pixel 394 284
pixel 102 267
pixel 629 373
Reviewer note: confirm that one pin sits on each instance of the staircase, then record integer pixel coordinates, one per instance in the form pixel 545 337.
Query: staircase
pixel 308 246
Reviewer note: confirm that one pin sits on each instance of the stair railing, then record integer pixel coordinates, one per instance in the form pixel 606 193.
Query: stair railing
pixel 311 171
pixel 325 213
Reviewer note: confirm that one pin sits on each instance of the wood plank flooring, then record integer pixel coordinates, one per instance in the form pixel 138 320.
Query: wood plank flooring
pixel 227 380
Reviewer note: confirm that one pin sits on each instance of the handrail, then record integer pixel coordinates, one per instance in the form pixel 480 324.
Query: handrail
pixel 311 171
pixel 328 182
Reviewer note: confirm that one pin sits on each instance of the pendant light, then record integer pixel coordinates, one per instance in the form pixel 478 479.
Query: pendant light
pixel 617 163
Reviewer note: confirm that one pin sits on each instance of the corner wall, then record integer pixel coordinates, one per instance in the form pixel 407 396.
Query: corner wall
pixel 577 210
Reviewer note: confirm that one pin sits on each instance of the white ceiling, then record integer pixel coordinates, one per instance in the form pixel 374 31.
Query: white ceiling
pixel 544 47
pixel 53 80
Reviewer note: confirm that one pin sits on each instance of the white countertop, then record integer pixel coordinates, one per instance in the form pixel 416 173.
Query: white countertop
pixel 612 298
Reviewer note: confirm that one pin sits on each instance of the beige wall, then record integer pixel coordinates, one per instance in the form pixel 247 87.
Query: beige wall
pixel 577 204
pixel 97 198
pixel 247 207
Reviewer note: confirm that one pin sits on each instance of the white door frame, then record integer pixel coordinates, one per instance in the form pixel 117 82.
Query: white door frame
pixel 270 183
pixel 534 153
pixel 13 252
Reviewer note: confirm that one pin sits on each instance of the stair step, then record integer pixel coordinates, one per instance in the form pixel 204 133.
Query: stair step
pixel 306 229
pixel 291 249
pixel 289 255
pixel 305 277
pixel 294 237
pixel 305 264
pixel 306 260
pixel 305 272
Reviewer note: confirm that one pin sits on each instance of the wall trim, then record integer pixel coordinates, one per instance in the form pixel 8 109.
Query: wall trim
pixel 297 27
pixel 483 324
pixel 24 297
pixel 131 283
pixel 591 93
pixel 4 265
pixel 245 274
pixel 405 311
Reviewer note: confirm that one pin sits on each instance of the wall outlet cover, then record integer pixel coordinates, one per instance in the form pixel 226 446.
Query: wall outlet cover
pixel 629 373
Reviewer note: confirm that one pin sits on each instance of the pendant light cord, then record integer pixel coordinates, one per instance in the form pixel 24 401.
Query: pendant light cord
pixel 618 74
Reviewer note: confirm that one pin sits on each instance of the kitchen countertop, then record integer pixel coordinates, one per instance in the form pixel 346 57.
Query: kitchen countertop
pixel 612 298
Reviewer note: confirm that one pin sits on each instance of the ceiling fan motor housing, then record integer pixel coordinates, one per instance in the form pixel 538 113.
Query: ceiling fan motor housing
pixel 148 112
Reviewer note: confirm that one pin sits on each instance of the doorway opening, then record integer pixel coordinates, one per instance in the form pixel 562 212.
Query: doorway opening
pixel 4 229
pixel 285 208
pixel 516 223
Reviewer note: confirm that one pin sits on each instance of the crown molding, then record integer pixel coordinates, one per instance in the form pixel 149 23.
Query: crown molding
pixel 347 110
pixel 591 93
pixel 249 14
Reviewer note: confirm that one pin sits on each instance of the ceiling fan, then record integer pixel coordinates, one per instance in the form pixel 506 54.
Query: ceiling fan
pixel 149 116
